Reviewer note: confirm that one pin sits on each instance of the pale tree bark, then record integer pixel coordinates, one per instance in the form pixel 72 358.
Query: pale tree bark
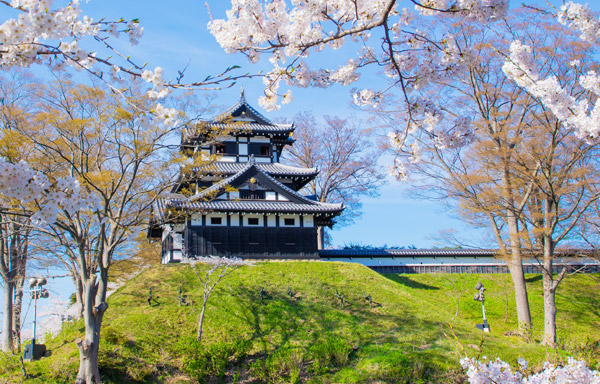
pixel 89 347
pixel 320 238
pixel 17 309
pixel 7 339
pixel 14 232
pixel 518 277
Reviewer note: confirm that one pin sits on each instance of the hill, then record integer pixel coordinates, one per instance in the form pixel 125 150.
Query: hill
pixel 413 332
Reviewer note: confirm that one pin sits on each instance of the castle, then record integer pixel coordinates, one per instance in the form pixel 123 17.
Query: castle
pixel 245 203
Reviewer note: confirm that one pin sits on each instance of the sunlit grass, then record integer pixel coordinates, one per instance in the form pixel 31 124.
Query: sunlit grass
pixel 412 333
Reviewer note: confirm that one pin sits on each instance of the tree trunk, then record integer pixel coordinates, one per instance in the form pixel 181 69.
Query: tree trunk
pixel 320 238
pixel 549 307
pixel 516 261
pixel 518 277
pixel 7 339
pixel 17 307
pixel 89 347
pixel 550 286
pixel 201 321
pixel 521 298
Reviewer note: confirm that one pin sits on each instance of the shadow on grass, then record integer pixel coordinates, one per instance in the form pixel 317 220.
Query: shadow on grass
pixel 533 279
pixel 404 280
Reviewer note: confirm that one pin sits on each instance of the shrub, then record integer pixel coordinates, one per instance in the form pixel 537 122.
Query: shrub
pixel 211 360
pixel 332 352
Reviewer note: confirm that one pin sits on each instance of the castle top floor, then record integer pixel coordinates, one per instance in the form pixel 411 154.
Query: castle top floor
pixel 237 134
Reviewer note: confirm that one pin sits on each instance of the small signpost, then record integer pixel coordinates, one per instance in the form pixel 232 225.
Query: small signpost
pixel 35 351
pixel 480 296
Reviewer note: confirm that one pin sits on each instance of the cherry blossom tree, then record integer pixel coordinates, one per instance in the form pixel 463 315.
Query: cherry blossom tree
pixel 385 34
pixel 88 134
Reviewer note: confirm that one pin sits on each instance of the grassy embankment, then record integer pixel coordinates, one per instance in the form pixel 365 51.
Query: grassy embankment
pixel 405 337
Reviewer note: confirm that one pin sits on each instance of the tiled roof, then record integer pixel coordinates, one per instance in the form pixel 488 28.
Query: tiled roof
pixel 254 206
pixel 250 167
pixel 240 118
pixel 240 105
pixel 237 128
pixel 273 169
pixel 296 204
pixel 405 252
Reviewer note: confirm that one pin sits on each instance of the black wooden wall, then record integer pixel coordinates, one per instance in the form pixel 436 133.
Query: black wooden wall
pixel 252 243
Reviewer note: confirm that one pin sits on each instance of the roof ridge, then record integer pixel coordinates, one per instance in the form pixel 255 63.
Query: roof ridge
pixel 219 185
pixel 242 102
pixel 304 199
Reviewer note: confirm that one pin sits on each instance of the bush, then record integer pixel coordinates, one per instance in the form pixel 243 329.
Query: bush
pixel 332 352
pixel 211 360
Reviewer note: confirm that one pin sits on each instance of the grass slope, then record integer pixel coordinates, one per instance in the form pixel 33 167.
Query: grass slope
pixel 405 337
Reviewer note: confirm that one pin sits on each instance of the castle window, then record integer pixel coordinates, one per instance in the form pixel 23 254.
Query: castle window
pixel 289 222
pixel 257 149
pixel 253 221
pixel 265 150
pixel 216 220
pixel 246 194
pixel 226 148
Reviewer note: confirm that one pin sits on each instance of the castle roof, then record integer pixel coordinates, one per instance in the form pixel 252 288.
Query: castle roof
pixel 211 199
pixel 241 118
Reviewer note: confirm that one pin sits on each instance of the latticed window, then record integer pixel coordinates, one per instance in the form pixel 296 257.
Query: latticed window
pixel 246 194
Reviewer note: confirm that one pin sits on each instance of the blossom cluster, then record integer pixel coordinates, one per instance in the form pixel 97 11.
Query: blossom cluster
pixel 43 35
pixel 500 372
pixel 580 115
pixel 19 181
pixel 581 18
pixel 31 37
pixel 290 34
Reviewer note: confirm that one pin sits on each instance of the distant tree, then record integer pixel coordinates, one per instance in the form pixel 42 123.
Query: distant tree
pixel 346 156
pixel 15 217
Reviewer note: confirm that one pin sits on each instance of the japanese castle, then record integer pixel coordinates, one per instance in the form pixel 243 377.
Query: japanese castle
pixel 245 203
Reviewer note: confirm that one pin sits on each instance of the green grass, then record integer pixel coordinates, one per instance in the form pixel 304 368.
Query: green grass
pixel 410 335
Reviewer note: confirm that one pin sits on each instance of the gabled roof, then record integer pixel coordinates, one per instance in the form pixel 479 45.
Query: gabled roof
pixel 240 118
pixel 204 200
pixel 242 111
pixel 252 169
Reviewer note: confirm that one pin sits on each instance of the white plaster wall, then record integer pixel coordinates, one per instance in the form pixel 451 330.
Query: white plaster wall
pixel 260 220
pixel 289 216
pixel 309 221
pixel 196 219
pixel 260 139
pixel 223 217
pixel 243 149
pixel 229 159
pixel 177 255
pixel 271 221
pixel 270 196
pixel 235 219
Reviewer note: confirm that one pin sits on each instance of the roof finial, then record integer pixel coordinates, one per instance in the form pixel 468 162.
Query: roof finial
pixel 242 95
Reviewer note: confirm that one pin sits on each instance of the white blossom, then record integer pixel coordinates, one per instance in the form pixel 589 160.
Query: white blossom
pixel 500 372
